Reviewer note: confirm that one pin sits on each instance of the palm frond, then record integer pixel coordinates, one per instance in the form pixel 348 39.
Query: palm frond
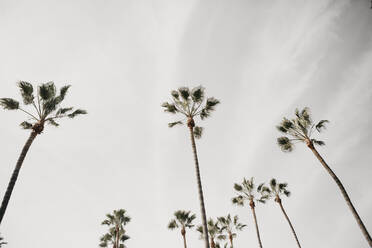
pixel 63 91
pixel 184 92
pixel 27 92
pixel 197 94
pixel 321 125
pixel 285 144
pixel 53 122
pixel 47 91
pixel 172 225
pixel 172 124
pixel 318 142
pixel 9 103
pixel 169 107
pixel 77 112
pixel 62 111
pixel 198 131
pixel 238 187
pixel 26 125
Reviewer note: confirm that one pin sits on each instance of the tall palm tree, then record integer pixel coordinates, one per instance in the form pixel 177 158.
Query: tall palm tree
pixel 46 104
pixel 183 220
pixel 276 191
pixel 191 104
pixel 246 192
pixel 300 129
pixel 214 231
pixel 116 234
pixel 231 225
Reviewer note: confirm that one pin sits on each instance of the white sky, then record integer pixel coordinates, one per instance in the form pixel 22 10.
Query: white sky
pixel 262 59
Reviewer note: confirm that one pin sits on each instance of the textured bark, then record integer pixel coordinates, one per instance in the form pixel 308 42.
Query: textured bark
pixel 14 177
pixel 200 189
pixel 279 201
pixel 255 222
pixel 344 194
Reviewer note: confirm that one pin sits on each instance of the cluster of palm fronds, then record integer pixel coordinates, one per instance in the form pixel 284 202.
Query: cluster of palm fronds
pixel 192 104
pixel 219 229
pixel 224 228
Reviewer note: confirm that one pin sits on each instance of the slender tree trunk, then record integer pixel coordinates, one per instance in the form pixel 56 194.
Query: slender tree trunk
pixel 279 201
pixel 183 232
pixel 344 194
pixel 231 240
pixel 255 222
pixel 117 237
pixel 14 177
pixel 213 245
pixel 200 189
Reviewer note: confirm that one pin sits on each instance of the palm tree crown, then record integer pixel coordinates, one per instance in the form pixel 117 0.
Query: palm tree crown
pixel 214 231
pixel 190 103
pixel 277 189
pixel 231 224
pixel 246 191
pixel 45 102
pixel 299 129
pixel 116 235
pixel 183 219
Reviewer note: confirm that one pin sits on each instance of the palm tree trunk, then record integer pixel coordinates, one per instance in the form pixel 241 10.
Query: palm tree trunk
pixel 213 245
pixel 200 189
pixel 255 222
pixel 14 177
pixel 184 240
pixel 278 200
pixel 344 194
pixel 231 240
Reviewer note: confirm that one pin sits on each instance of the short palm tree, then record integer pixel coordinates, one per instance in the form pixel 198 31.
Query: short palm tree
pixel 231 226
pixel 116 235
pixel 214 231
pixel 300 129
pixel 183 220
pixel 246 192
pixel 46 104
pixel 276 191
pixel 191 104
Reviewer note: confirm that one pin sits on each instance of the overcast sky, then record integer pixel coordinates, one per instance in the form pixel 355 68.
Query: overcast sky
pixel 262 59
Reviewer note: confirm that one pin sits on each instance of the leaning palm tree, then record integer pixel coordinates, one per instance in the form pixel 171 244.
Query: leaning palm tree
pixel 300 129
pixel 46 104
pixel 183 220
pixel 214 231
pixel 231 225
pixel 246 192
pixel 116 234
pixel 190 104
pixel 276 191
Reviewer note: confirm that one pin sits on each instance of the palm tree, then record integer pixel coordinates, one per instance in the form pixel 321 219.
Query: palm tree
pixel 300 129
pixel 245 192
pixel 45 103
pixel 276 191
pixel 231 225
pixel 183 220
pixel 190 104
pixel 2 242
pixel 214 231
pixel 116 234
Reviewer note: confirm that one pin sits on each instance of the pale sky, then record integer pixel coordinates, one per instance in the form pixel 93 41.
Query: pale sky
pixel 262 59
